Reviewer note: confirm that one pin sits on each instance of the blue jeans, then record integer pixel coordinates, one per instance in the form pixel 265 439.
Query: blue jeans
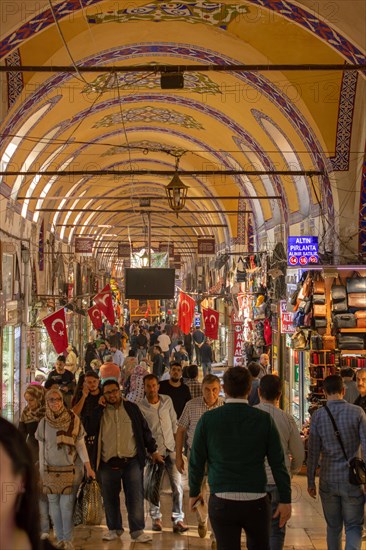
pixel 277 537
pixel 43 511
pixel 343 503
pixel 62 514
pixel 177 490
pixel 206 368
pixel 131 475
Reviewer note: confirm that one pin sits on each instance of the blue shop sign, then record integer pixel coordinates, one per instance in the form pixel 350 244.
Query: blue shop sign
pixel 302 251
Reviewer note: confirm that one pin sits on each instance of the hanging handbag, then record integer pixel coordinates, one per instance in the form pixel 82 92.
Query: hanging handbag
pixel 298 340
pixel 329 342
pixel 318 284
pixel 340 307
pixel 357 300
pixel 241 273
pixel 357 466
pixel 356 283
pixel 319 322
pixel 344 320
pixel 319 310
pixel 319 299
pixel 299 318
pixel 338 292
pixel 305 290
pixel 316 342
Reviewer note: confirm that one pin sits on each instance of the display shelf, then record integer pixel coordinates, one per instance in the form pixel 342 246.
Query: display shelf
pixel 352 330
pixel 353 351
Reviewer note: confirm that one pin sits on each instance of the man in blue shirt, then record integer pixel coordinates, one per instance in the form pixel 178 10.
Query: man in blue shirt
pixel 343 503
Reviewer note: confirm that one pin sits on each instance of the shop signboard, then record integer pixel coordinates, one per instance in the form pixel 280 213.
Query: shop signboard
pixel 33 355
pixel 302 250
pixel 238 355
pixel 142 309
pixel 206 246
pixel 287 319
pixel 84 246
pixel 124 250
pixel 167 247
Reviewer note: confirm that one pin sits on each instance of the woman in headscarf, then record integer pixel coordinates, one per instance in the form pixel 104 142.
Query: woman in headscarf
pixel 135 383
pixel 29 420
pixel 61 437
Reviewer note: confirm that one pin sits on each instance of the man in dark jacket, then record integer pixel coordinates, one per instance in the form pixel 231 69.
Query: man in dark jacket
pixel 123 439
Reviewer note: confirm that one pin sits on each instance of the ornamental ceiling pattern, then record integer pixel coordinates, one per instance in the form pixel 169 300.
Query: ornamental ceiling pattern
pixel 144 145
pixel 149 114
pixel 211 13
pixel 198 83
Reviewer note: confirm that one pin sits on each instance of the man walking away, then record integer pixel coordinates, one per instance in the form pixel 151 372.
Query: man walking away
pixel 254 369
pixel 162 420
pixel 234 441
pixel 343 503
pixel 206 357
pixel 293 448
pixel 351 391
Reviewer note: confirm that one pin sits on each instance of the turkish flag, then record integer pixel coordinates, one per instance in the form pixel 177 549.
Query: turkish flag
pixel 56 328
pixel 211 319
pixel 104 303
pixel 95 317
pixel 186 307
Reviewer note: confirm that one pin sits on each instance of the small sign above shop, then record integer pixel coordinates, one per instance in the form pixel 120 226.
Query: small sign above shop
pixel 206 246
pixel 302 251
pixel 124 250
pixel 84 246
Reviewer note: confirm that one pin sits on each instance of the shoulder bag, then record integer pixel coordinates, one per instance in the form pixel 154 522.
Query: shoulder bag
pixel 338 292
pixel 318 284
pixel 357 466
pixel 356 283
pixel 56 480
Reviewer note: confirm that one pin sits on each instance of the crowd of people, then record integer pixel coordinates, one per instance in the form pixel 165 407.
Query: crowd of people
pixel 139 396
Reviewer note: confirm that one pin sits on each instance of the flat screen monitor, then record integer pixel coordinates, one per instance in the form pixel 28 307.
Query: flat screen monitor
pixel 149 283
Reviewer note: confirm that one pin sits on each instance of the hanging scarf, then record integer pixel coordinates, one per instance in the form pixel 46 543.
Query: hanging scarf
pixel 34 415
pixel 66 422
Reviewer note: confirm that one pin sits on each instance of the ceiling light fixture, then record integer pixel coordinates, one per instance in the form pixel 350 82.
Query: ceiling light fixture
pixel 176 191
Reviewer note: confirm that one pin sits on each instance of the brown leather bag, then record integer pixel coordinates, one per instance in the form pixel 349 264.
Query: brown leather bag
pixel 361 318
pixel 356 299
pixel 320 310
pixel 318 285
pixel 329 342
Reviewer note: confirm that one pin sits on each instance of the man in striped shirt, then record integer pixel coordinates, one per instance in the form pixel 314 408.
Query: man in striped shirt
pixel 343 503
pixel 187 423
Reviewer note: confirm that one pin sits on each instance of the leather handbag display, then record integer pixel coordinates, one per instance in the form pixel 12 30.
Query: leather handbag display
pixel 350 341
pixel 319 299
pixel 361 319
pixel 318 284
pixel 344 320
pixel 320 310
pixel 320 322
pixel 356 283
pixel 298 340
pixel 329 342
pixel 316 342
pixel 358 300
pixel 338 292
pixel 340 307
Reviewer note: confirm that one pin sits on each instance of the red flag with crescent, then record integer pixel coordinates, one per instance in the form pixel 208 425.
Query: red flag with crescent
pixel 211 319
pixel 103 301
pixel 57 331
pixel 95 317
pixel 186 307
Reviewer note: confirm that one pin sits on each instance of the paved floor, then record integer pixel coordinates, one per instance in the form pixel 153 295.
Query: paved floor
pixel 306 529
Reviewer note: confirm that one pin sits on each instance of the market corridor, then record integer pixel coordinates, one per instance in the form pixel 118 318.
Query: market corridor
pixel 306 529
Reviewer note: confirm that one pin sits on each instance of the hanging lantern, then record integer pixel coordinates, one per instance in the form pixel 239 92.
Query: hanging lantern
pixel 176 192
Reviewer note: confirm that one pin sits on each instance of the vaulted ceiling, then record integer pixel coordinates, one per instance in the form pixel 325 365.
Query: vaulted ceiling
pixel 121 120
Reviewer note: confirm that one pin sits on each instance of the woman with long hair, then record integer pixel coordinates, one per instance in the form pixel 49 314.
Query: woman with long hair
pixel 19 514
pixel 61 438
pixel 32 414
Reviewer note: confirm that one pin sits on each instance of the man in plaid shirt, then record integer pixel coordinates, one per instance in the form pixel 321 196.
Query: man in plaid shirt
pixel 343 503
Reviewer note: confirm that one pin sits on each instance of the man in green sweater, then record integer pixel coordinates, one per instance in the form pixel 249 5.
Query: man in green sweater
pixel 234 440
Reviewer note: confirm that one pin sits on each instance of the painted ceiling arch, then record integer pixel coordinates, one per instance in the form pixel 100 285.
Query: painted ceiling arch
pixel 237 120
